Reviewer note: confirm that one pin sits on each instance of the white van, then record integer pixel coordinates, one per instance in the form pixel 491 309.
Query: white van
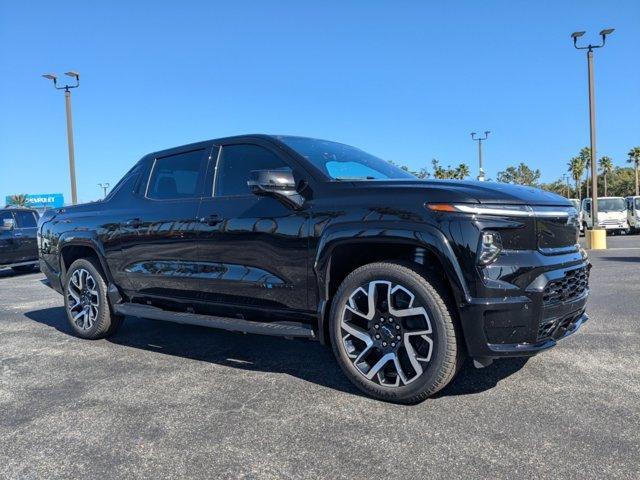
pixel 612 214
pixel 633 214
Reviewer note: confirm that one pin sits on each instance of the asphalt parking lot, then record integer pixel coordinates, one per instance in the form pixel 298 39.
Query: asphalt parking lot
pixel 161 400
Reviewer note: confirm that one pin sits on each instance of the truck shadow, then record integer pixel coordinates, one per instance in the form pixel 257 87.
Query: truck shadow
pixel 307 360
pixel 622 259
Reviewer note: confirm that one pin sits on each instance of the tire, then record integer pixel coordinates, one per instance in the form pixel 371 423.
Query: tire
pixel 92 317
pixel 24 268
pixel 422 316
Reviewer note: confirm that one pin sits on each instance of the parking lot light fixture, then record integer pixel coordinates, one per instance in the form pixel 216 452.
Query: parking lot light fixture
pixel 104 187
pixel 592 115
pixel 480 140
pixel 67 97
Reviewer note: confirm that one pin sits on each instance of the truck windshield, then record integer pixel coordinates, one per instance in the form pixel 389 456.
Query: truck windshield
pixel 342 162
pixel 611 204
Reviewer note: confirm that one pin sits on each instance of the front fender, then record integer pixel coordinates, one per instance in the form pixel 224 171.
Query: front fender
pixel 418 235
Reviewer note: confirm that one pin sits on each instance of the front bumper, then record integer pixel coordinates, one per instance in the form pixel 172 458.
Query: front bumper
pixel 531 321
pixel 614 226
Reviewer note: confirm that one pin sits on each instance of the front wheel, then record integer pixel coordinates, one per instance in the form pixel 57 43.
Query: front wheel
pixel 86 302
pixel 393 333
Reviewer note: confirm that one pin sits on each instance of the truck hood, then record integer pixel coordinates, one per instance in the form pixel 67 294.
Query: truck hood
pixel 471 192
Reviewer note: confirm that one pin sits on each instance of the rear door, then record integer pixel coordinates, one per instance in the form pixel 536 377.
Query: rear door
pixel 159 228
pixel 25 235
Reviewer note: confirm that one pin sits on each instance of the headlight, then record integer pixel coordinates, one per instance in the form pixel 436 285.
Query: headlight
pixel 490 247
pixel 477 209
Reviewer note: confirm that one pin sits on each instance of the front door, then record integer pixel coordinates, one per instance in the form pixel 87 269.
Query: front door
pixel 160 227
pixel 253 249
pixel 7 242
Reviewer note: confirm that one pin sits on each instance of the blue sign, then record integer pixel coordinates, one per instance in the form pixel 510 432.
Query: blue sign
pixel 42 200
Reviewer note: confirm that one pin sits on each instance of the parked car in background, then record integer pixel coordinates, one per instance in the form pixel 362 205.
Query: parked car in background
pixel 612 214
pixel 18 239
pixel 633 214
pixel 308 238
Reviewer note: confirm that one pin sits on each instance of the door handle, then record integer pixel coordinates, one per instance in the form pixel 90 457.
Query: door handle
pixel 211 219
pixel 17 234
pixel 133 223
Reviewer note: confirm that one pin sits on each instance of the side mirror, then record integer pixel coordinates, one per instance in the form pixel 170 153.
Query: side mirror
pixel 276 183
pixel 8 224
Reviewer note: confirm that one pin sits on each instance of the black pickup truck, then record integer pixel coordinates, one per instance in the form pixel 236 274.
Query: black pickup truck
pixel 300 237
pixel 18 244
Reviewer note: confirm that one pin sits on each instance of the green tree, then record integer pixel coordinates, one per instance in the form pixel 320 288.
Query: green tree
pixel 621 182
pixel 462 171
pixel 18 200
pixel 558 187
pixel 606 167
pixel 458 173
pixel 520 175
pixel 634 159
pixel 576 169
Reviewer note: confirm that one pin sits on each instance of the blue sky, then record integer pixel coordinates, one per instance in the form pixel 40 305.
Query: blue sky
pixel 406 81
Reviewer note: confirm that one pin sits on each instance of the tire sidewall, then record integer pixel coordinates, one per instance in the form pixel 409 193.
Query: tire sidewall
pixel 437 315
pixel 102 321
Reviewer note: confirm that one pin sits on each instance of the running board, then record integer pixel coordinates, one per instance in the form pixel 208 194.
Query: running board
pixel 280 329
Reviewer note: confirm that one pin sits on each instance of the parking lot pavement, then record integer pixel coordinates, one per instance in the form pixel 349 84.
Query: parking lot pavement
pixel 161 400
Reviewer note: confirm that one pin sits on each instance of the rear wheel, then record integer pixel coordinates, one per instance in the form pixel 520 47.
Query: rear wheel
pixel 86 302
pixel 392 332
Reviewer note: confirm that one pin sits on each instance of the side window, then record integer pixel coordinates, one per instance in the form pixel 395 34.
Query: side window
pixel 5 216
pixel 177 176
pixel 26 219
pixel 235 164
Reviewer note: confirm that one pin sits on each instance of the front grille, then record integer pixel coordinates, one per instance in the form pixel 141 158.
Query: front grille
pixel 573 285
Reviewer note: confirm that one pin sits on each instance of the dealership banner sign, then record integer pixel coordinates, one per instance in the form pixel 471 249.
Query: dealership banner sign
pixel 42 200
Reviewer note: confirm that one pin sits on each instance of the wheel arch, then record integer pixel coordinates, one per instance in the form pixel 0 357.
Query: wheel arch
pixel 71 247
pixel 341 251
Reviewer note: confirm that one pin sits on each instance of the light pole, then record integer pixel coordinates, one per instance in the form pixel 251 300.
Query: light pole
pixel 565 179
pixel 480 140
pixel 67 99
pixel 592 116
pixel 104 187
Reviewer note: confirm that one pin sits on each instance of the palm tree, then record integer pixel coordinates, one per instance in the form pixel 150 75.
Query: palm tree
pixel 606 166
pixel 462 171
pixel 585 155
pixel 19 200
pixel 576 169
pixel 634 158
